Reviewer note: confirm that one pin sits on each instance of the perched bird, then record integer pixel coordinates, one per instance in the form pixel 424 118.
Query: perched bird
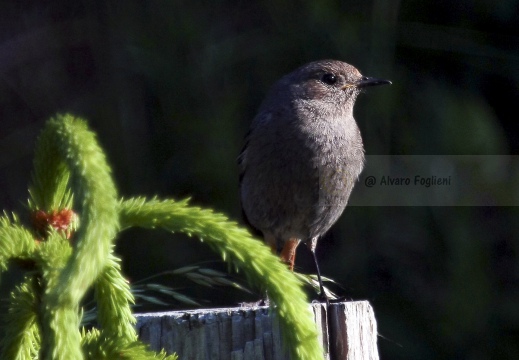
pixel 302 156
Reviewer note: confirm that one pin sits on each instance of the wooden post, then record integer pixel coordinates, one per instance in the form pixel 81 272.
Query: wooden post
pixel 348 331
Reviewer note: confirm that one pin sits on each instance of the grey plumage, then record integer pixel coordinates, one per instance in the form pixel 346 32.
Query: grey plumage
pixel 303 153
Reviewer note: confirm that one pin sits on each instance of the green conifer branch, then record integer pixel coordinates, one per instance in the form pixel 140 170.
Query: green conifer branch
pixel 15 241
pixel 22 338
pixel 49 187
pixel 51 257
pixel 67 145
pixel 236 245
pixel 98 346
pixel 113 297
pixel 46 305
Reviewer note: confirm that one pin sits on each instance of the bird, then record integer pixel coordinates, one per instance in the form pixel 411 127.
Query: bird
pixel 302 156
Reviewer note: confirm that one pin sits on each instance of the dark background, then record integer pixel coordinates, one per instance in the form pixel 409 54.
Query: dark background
pixel 171 87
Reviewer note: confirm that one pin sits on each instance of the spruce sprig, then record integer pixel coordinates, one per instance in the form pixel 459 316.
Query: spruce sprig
pixel 76 216
pixel 237 246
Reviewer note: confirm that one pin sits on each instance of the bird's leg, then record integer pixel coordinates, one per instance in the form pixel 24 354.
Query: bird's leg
pixel 288 254
pixel 322 294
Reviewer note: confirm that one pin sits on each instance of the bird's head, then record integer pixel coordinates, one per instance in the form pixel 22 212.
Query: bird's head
pixel 329 81
pixel 330 84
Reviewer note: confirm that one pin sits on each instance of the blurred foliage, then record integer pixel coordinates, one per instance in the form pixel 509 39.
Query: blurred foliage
pixel 171 86
pixel 64 260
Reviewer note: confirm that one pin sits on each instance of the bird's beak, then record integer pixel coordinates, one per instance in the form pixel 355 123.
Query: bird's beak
pixel 369 81
pixel 365 82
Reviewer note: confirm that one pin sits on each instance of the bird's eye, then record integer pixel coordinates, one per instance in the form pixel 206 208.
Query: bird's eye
pixel 329 79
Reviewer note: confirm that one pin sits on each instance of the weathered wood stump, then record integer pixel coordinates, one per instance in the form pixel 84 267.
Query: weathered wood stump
pixel 348 331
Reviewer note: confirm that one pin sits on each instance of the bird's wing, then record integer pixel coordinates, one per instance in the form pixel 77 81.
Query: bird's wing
pixel 259 120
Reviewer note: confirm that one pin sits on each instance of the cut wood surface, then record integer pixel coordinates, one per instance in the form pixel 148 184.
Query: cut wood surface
pixel 348 331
